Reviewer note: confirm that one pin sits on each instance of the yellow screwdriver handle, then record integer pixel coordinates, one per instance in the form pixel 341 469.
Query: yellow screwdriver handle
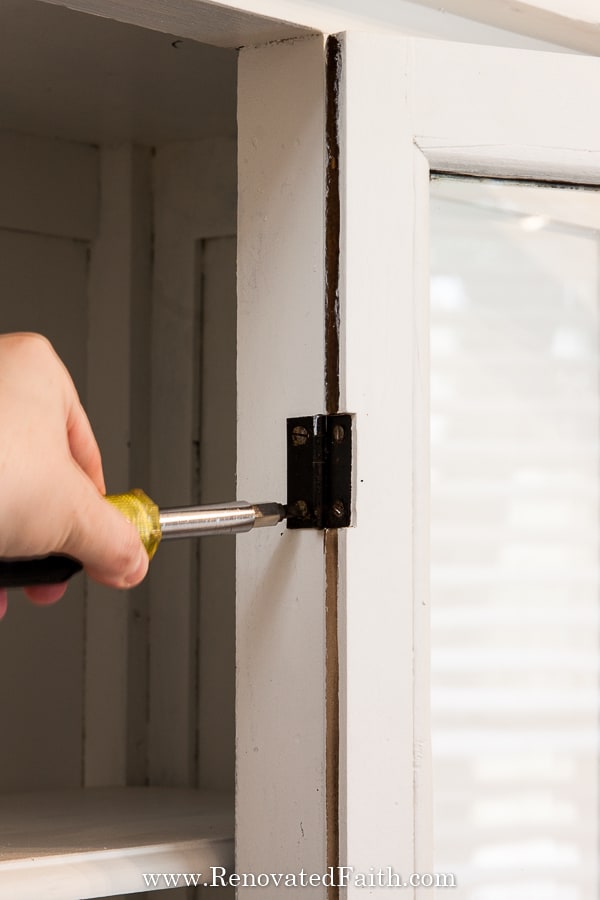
pixel 136 506
pixel 56 568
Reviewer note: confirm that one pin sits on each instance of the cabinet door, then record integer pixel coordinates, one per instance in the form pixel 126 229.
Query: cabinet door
pixel 409 108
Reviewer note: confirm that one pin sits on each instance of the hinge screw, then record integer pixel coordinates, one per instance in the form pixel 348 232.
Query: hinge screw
pixel 299 435
pixel 338 509
pixel 338 433
pixel 300 508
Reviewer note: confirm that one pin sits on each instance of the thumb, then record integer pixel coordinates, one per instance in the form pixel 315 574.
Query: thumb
pixel 102 539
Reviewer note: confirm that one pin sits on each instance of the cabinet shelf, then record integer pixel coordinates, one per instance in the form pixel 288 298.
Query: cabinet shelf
pixel 95 842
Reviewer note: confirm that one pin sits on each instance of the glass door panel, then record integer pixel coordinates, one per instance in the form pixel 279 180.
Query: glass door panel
pixel 515 441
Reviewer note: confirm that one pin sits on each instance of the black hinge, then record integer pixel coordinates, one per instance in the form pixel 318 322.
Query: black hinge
pixel 319 471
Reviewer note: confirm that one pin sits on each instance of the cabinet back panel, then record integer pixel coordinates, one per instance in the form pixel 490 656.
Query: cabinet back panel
pixel 43 288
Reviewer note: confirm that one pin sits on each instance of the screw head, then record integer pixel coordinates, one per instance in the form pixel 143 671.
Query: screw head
pixel 299 435
pixel 338 433
pixel 338 509
pixel 300 508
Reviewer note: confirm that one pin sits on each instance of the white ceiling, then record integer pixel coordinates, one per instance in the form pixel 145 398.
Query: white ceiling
pixel 71 75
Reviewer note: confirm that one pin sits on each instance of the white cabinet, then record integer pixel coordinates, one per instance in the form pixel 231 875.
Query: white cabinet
pixel 319 641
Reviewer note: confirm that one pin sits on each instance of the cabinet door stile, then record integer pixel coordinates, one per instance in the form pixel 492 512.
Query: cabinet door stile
pixel 280 699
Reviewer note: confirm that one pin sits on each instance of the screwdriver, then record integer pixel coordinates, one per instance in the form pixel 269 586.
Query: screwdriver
pixel 153 525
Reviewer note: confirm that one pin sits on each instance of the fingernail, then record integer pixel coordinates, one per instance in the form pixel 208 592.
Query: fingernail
pixel 139 570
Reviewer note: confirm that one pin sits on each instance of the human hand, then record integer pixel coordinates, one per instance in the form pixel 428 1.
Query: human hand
pixel 51 480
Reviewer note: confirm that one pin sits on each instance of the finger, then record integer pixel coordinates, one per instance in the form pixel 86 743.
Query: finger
pixel 101 538
pixel 3 602
pixel 45 594
pixel 83 445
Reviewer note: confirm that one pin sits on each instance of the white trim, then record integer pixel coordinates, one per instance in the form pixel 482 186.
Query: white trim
pixel 376 610
pixel 119 271
pixel 280 637
pixel 234 23
pixel 569 23
pixel 220 24
pixel 77 844
pixel 471 116
pixel 194 198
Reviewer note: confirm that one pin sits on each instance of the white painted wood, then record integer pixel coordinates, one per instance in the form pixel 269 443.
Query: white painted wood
pixel 48 186
pixel 51 187
pixel 42 288
pixel 140 411
pixel 570 23
pixel 72 845
pixel 129 85
pixel 195 199
pixel 540 124
pixel 119 275
pixel 376 609
pixel 485 124
pixel 423 789
pixel 221 24
pixel 583 11
pixel 510 161
pixel 217 477
pixel 49 209
pixel 236 23
pixel 469 110
pixel 280 692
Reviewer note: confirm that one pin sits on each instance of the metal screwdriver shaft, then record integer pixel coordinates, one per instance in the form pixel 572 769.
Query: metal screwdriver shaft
pixel 224 518
pixel 153 525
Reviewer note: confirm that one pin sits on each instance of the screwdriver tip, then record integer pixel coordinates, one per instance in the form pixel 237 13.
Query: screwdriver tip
pixel 269 514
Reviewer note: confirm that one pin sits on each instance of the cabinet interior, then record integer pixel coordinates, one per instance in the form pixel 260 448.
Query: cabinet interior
pixel 117 241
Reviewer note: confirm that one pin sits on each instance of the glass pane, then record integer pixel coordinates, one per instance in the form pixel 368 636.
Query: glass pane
pixel 515 476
